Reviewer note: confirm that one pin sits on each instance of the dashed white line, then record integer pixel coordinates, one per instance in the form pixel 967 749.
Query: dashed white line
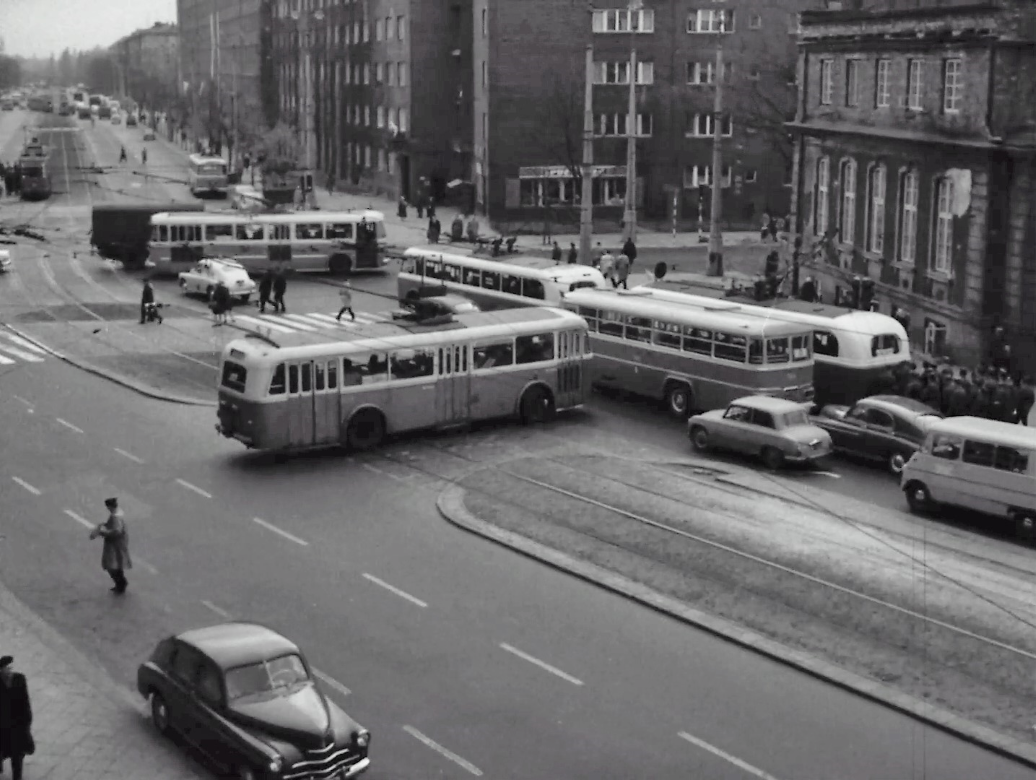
pixel 742 765
pixel 429 742
pixel 331 682
pixel 280 532
pixel 393 589
pixel 542 664
pixel 128 455
pixel 80 519
pixel 218 610
pixel 194 488
pixel 19 398
pixel 26 485
pixel 25 343
pixel 69 425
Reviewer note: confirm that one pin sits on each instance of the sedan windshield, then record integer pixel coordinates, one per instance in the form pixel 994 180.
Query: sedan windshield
pixel 278 676
pixel 795 418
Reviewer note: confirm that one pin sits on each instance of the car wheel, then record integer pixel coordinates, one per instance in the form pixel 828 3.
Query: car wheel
pixel 366 430
pixel 700 439
pixel 896 462
pixel 918 497
pixel 773 458
pixel 536 406
pixel 159 713
pixel 678 400
pixel 1025 526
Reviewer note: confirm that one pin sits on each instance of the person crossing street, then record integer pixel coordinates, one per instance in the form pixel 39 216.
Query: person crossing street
pixel 346 295
pixel 115 558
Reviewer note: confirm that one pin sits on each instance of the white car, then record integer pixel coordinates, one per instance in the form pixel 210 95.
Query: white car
pixel 210 271
pixel 5 261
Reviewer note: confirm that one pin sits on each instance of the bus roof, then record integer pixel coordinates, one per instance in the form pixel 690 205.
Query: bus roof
pixel 992 431
pixel 385 336
pixel 543 268
pixel 305 217
pixel 641 304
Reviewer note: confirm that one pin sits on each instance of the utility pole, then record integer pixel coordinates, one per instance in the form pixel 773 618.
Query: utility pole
pixel 715 231
pixel 586 211
pixel 630 212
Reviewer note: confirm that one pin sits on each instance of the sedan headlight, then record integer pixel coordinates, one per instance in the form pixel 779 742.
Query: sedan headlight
pixel 363 738
pixel 276 764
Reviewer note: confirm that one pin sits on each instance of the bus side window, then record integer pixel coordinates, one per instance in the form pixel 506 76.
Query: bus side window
pixel 307 379
pixel 588 314
pixel 352 373
pixel 409 265
pixel 332 374
pixel 293 379
pixel 339 230
pixel 490 280
pixel 533 288
pixel 534 349
pixel 194 233
pixel 277 383
pixel 318 376
pixel 375 369
pixel 493 355
pixel 611 324
pixel 472 277
pixel 512 285
pixel 451 273
pixel 442 362
pixel 755 351
pixel 463 358
pixel 978 453
pixel 825 343
pixel 163 232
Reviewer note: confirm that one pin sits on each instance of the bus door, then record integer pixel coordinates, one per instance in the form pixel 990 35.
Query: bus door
pixel 301 405
pixel 570 368
pixel 453 386
pixel 278 247
pixel 326 407
pixel 366 245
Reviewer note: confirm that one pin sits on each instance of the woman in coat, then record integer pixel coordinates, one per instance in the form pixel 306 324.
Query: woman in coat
pixel 15 718
pixel 115 558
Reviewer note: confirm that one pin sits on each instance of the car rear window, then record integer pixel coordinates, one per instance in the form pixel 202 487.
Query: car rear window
pixel 234 376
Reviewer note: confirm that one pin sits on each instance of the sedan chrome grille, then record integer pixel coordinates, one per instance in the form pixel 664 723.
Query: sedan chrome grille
pixel 322 763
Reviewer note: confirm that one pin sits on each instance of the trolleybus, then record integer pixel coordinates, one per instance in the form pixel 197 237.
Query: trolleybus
pixel 303 392
pixel 339 242
pixel 207 175
pixel 689 358
pixel 34 162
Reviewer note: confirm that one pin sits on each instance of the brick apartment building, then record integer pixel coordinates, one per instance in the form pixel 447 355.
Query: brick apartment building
pixel 384 87
pixel 529 76
pixel 916 155
pixel 147 64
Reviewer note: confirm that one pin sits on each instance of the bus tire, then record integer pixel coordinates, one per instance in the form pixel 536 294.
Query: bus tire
pixel 366 430
pixel 537 405
pixel 340 265
pixel 918 498
pixel 678 400
pixel 1024 525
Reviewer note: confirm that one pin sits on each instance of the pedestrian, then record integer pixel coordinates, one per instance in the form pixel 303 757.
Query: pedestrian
pixel 16 740
pixel 1006 398
pixel 630 250
pixel 622 271
pixel 401 208
pixel 573 254
pixel 280 286
pixel 331 183
pixel 1026 399
pixel 115 558
pixel 147 295
pixel 143 156
pixel 434 229
pixel 555 253
pixel 548 228
pixel 222 304
pixel 957 400
pixel 346 296
pixel 457 229
pixel 265 288
pixel 420 206
pixel 431 206
pixel 607 264
pixel 473 228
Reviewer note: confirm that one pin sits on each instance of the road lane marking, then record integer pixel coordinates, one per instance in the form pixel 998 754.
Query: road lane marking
pixel 80 519
pixel 69 425
pixel 429 742
pixel 194 488
pixel 218 610
pixel 24 343
pixel 262 323
pixel 298 321
pixel 331 682
pixel 393 589
pixel 542 664
pixel 26 485
pixel 28 357
pixel 128 455
pixel 280 532
pixel 742 765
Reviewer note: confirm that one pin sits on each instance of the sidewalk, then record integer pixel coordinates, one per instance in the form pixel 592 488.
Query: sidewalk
pixel 86 727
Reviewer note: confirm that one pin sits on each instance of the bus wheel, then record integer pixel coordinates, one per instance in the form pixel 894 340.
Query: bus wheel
pixel 366 430
pixel 678 400
pixel 340 265
pixel 537 405
pixel 1025 526
pixel 918 498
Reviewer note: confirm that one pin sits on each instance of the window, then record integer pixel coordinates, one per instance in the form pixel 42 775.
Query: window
pixel 946 446
pixel 380 116
pixel 367 115
pixel 667 334
pixel 338 230
pixel 881 83
pixel 876 209
pixel 389 31
pixel 533 288
pixel 885 344
pixel 777 350
pixel 390 74
pixel 611 324
pixel 379 29
pixel 731 347
pixel 827 83
pixel 751 176
pixel 534 349
pixel 412 363
pixel 485 73
pixel 710 21
pixel 1010 459
pixel 825 343
pixel 701 175
pixel 401 73
pixel 616 124
pixel 979 453
pixel 943 248
pixel 952 85
pixel 309 230
pixel 700 73
pixel 914 73
pixel 379 72
pixel 366 73
pixel 847 228
pixel 755 21
pixel 401 28
pixel 852 82
pixel 622 20
pixel 485 24
pixel 638 329
pixel 823 190
pixel 277 382
pixel 611 73
pixel 493 355
pixel 403 120
pixel 909 184
pixel 702 125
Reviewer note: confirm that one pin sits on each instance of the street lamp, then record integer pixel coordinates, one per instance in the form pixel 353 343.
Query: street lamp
pixel 629 216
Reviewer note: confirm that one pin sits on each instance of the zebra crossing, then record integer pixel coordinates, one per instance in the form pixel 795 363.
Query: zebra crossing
pixel 14 349
pixel 309 323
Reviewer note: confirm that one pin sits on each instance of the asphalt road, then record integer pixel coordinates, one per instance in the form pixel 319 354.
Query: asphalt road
pixel 513 669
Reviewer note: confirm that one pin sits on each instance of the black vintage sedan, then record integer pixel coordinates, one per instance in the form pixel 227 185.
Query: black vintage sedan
pixel 887 429
pixel 245 697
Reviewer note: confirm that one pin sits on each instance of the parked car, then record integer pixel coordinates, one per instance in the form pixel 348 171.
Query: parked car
pixel 887 429
pixel 131 121
pixel 777 430
pixel 116 119
pixel 210 271
pixel 245 697
pixel 5 261
pixel 149 135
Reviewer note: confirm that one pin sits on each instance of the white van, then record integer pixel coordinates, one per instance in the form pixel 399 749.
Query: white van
pixel 982 465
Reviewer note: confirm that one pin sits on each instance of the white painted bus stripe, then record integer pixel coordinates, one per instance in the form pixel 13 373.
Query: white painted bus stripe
pixel 28 356
pixel 23 342
pixel 298 321
pixel 26 485
pixel 280 532
pixel 262 323
pixel 447 754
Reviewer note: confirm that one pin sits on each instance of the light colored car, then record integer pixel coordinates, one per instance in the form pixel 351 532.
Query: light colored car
pixel 5 261
pixel 116 119
pixel 210 271
pixel 775 429
pixel 149 135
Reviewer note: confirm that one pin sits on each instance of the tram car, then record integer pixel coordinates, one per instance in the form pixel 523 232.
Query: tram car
pixel 35 165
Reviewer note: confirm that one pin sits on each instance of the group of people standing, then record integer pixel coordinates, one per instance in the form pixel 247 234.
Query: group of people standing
pixel 11 176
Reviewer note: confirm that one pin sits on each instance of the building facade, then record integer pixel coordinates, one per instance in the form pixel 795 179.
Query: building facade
pixel 379 90
pixel 147 64
pixel 916 159
pixel 529 79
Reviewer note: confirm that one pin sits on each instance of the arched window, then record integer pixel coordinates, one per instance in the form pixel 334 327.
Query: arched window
pixel 942 248
pixel 909 184
pixel 876 209
pixel 847 228
pixel 823 188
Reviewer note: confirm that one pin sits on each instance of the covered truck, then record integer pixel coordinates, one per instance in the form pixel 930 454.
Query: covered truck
pixel 120 231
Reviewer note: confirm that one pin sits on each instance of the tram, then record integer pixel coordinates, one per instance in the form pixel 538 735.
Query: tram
pixel 34 162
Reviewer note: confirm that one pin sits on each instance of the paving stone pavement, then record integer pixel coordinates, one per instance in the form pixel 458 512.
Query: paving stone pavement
pixel 86 726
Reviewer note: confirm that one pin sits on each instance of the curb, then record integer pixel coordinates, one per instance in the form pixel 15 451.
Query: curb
pixel 131 384
pixel 450 504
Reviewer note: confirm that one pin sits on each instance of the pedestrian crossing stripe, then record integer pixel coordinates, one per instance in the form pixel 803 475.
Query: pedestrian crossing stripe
pixel 310 322
pixel 14 347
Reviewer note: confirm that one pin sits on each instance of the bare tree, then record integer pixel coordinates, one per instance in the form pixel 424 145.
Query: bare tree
pixel 763 99
pixel 555 132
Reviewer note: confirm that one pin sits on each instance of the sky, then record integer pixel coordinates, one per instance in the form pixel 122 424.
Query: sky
pixel 43 27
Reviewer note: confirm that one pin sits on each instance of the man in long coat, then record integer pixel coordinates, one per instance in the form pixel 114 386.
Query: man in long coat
pixel 15 718
pixel 115 558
